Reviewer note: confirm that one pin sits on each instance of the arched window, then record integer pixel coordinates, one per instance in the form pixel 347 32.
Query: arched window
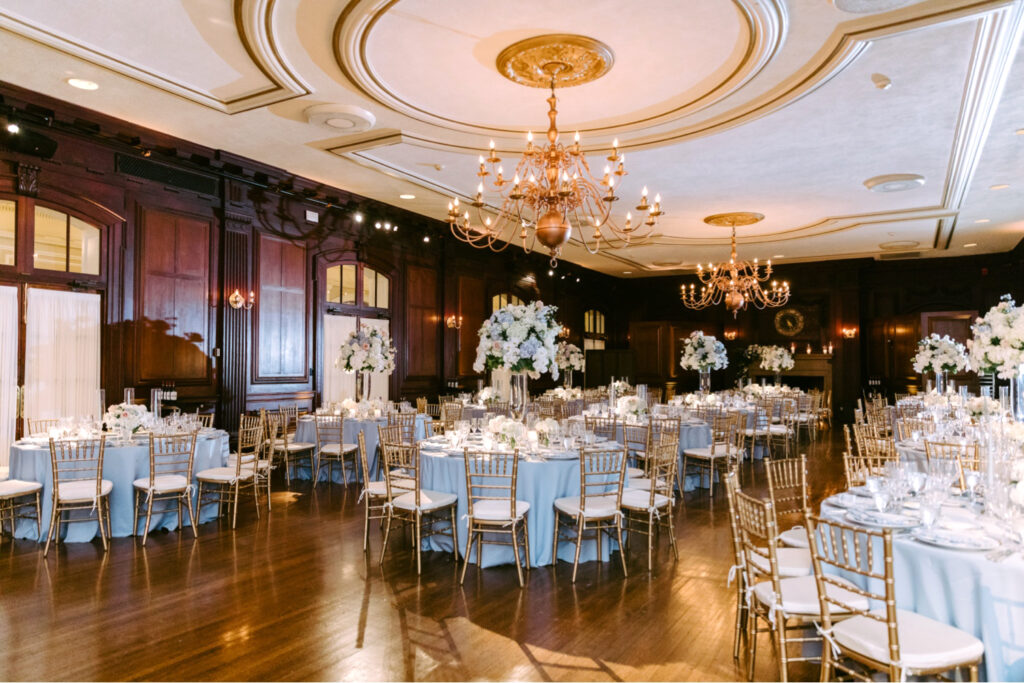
pixel 502 300
pixel 593 330
pixel 356 284
pixel 60 241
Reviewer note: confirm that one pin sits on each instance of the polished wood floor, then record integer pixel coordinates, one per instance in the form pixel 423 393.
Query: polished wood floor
pixel 293 597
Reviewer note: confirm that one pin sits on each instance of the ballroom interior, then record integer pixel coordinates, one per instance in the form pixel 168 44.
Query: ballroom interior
pixel 272 237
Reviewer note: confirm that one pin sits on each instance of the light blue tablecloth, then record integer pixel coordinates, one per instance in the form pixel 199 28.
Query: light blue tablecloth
pixel 305 432
pixel 966 590
pixel 538 483
pixel 121 466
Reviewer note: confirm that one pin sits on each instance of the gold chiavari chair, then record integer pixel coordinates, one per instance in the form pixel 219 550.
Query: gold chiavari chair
pixel 407 422
pixel 806 417
pixel 787 489
pixel 225 485
pixel 725 450
pixel 287 449
pixel 500 408
pixel 647 510
pixel 602 427
pixel 16 494
pixel 598 507
pixel 451 412
pixel 204 419
pixel 904 428
pixel 896 642
pixel 491 483
pixel 958 453
pixel 170 479
pixel 76 468
pixel 758 430
pixel 256 454
pixel 637 439
pixel 40 426
pixel 292 413
pixel 782 433
pixel 878 446
pixel 421 404
pixel 781 604
pixel 736 571
pixel 825 409
pixel 859 467
pixel 331 447
pixel 436 424
pixel 374 495
pixel 408 503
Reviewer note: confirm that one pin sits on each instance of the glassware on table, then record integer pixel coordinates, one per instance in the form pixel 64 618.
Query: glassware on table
pixel 931 508
pixel 916 481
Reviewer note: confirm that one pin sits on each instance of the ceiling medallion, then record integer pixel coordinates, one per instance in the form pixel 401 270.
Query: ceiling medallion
pixel 553 187
pixel 579 59
pixel 737 283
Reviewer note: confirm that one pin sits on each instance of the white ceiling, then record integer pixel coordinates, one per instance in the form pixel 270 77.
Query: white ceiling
pixel 752 105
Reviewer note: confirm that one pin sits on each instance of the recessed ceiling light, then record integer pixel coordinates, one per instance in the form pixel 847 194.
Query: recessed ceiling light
pixel 983 220
pixel 13 128
pixel 627 272
pixel 407 196
pixel 894 182
pixel 83 84
pixel 779 256
pixel 1001 186
pixel 970 244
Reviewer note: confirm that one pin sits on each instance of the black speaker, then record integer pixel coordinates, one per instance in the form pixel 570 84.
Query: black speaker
pixel 27 141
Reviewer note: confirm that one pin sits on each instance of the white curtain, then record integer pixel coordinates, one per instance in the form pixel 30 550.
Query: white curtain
pixel 380 386
pixel 337 384
pixel 62 354
pixel 8 370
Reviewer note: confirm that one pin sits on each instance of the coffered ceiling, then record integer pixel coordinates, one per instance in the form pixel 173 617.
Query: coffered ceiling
pixel 771 106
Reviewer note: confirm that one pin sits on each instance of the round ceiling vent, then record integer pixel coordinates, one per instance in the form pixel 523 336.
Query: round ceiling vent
pixel 894 182
pixel 341 117
pixel 898 245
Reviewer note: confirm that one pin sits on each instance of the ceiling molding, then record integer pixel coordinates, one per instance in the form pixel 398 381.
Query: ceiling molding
pixel 254 21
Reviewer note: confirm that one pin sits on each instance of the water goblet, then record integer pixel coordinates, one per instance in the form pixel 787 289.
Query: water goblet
pixel 931 508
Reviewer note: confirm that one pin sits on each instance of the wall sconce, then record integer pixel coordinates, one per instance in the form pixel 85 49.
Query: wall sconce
pixel 849 332
pixel 236 300
pixel 564 334
pixel 454 322
pixel 730 334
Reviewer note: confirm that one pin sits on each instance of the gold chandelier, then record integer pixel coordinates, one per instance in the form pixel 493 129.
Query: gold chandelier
pixel 552 188
pixel 737 283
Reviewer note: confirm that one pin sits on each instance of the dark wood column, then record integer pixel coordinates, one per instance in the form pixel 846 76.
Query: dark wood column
pixel 234 327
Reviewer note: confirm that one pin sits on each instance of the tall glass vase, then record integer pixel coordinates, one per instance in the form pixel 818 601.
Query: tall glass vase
pixel 940 381
pixel 1017 394
pixel 705 381
pixel 363 386
pixel 520 395
pixel 778 379
pixel 568 378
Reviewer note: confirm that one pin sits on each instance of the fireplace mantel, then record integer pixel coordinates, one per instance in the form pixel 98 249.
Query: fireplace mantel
pixel 804 365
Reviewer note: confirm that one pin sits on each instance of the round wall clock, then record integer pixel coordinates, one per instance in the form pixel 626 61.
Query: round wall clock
pixel 789 322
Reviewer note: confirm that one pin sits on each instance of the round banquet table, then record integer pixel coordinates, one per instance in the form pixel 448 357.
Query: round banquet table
pixel 538 482
pixel 963 589
pixel 30 461
pixel 305 432
pixel 913 453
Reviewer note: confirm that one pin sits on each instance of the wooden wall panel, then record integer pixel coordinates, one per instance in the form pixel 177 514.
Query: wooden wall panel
pixel 281 316
pixel 474 306
pixel 422 322
pixel 173 307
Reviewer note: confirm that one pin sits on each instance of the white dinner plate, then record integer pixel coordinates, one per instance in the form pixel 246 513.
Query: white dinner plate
pixel 882 520
pixel 956 540
pixel 850 501
pixel 860 491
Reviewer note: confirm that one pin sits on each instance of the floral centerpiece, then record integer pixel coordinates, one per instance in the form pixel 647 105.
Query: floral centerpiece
pixel 621 386
pixel 775 358
pixel 367 350
pixel 487 395
pixel 998 348
pixel 704 353
pixel 980 406
pixel 940 355
pixel 631 406
pixel 547 430
pixel 567 393
pixel 507 431
pixel 569 357
pixel 126 419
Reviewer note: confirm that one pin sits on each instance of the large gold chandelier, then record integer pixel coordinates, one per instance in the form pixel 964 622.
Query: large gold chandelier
pixel 552 188
pixel 737 283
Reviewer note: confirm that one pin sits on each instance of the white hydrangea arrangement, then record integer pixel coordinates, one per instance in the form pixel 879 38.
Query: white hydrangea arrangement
pixel 998 343
pixel 773 358
pixel 367 350
pixel 547 430
pixel 983 405
pixel 569 357
pixel 487 394
pixel 507 431
pixel 631 406
pixel 695 399
pixel 940 354
pixel 567 394
pixel 621 386
pixel 519 339
pixel 126 417
pixel 703 352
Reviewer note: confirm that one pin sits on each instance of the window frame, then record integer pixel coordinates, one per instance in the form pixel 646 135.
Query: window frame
pixel 359 309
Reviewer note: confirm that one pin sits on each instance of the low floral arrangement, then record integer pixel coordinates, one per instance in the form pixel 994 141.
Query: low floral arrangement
pixel 620 386
pixel 569 357
pixel 547 430
pixel 567 394
pixel 487 395
pixel 703 352
pixel 126 417
pixel 367 350
pixel 998 343
pixel 519 339
pixel 933 398
pixel 752 391
pixel 696 399
pixel 774 358
pixel 507 431
pixel 631 406
pixel 983 405
pixel 362 409
pixel 940 354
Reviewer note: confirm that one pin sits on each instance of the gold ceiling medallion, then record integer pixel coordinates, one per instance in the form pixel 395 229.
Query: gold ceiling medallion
pixel 569 59
pixel 553 188
pixel 737 283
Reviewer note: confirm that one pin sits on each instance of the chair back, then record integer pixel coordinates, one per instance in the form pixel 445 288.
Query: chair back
pixel 451 412
pixel 604 427
pixel 602 472
pixel 877 446
pixel 762 417
pixel 171 454
pixel 787 484
pixel 732 487
pixel 329 430
pixel 758 538
pixel 636 437
pixel 421 404
pixel 402 469
pixel 960 453
pixel 491 476
pixel 77 460
pixel 364 460
pixel 859 467
pixel 204 419
pixel 904 427
pixel 290 415
pixel 665 429
pixel 407 424
pixel 663 462
pixel 40 426
pixel 500 408
pixel 434 410
pixel 251 441
pixel 392 434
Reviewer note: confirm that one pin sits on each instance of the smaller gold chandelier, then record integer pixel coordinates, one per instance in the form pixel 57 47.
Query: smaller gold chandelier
pixel 737 283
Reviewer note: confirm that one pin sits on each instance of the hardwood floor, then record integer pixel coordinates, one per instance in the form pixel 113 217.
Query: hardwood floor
pixel 293 597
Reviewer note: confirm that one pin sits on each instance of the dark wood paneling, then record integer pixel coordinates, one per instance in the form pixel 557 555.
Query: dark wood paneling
pixel 281 318
pixel 173 334
pixel 235 326
pixel 422 323
pixel 474 306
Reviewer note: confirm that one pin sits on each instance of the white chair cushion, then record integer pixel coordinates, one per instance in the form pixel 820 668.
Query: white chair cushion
pixel 924 643
pixel 4 473
pixel 800 595
pixel 639 499
pixel 795 537
pixel 792 562
pixel 705 452
pixel 261 464
pixel 338 448
pixel 12 488
pixel 224 474
pixel 163 483
pixel 429 500
pixel 780 429
pixel 603 506
pixel 292 447
pixel 635 472
pixel 644 483
pixel 377 489
pixel 755 432
pixel 71 491
pixel 497 510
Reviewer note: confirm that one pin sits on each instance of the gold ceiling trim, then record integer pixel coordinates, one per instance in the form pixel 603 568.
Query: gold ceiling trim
pixel 560 58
